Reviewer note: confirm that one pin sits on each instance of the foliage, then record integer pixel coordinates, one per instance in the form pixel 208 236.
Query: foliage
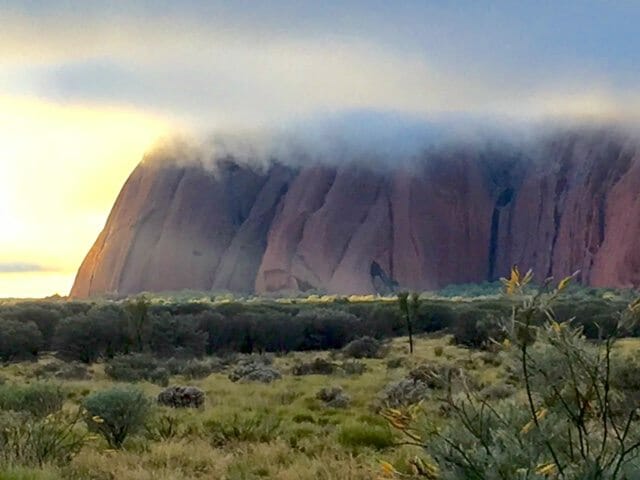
pixel 29 441
pixel 19 340
pixel 137 367
pixel 318 366
pixel 39 399
pixel 334 397
pixel 116 413
pixel 364 347
pixel 357 435
pixel 574 421
pixel 253 427
pixel 254 371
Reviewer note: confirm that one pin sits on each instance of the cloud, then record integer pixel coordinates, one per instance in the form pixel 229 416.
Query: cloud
pixel 250 63
pixel 22 267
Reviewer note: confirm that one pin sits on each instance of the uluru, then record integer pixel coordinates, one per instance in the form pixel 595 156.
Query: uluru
pixel 563 202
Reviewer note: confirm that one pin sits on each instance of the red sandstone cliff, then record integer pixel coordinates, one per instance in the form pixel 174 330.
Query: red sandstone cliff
pixel 571 202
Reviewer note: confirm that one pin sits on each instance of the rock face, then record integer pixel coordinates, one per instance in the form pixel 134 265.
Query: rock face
pixel 565 203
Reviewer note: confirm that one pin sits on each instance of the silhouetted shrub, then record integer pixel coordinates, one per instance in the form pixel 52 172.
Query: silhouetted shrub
pixel 476 328
pixel 364 347
pixel 101 332
pixel 137 367
pixel 19 341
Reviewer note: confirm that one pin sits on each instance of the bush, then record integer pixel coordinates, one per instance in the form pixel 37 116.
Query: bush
pixel 334 397
pixel 253 371
pixel 177 336
pixel 364 347
pixel 404 392
pixel 63 371
pixel 38 399
pixel 353 367
pixel 319 366
pixel 194 369
pixel 355 435
pixel 117 413
pixel 101 332
pixel 19 340
pixel 436 376
pixel 137 367
pixel 29 441
pixel 255 427
pixel 476 328
pixel 181 397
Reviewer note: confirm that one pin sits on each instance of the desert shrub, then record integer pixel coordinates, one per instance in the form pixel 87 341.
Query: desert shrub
pixel 62 371
pixel 574 420
pixel 357 435
pixel 252 427
pixel 394 363
pixel 318 366
pixel 497 391
pixel 163 426
pixel 476 328
pixel 39 399
pixel 404 392
pixel 433 316
pixel 19 340
pixel 334 397
pixel 44 316
pixel 101 332
pixel 29 441
pixel 117 413
pixel 364 347
pixel 137 367
pixel 435 376
pixel 324 328
pixel 181 397
pixel 353 367
pixel 254 371
pixel 193 368
pixel 177 336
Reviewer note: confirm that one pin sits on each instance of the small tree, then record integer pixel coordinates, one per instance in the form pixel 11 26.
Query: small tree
pixel 117 413
pixel 138 319
pixel 408 309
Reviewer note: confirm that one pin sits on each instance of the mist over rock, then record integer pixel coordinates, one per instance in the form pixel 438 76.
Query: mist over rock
pixel 563 202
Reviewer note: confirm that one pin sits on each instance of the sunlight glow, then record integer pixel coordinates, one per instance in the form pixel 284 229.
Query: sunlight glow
pixel 61 168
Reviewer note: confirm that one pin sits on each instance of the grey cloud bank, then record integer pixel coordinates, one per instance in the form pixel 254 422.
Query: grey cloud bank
pixel 253 64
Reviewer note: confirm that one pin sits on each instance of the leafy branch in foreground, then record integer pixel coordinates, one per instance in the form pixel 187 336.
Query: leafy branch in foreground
pixel 576 417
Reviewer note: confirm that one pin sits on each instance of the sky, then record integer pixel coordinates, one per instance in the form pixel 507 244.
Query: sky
pixel 87 87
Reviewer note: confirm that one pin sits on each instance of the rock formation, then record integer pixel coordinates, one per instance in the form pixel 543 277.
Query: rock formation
pixel 567 202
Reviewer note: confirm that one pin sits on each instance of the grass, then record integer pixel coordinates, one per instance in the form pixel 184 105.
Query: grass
pixel 254 431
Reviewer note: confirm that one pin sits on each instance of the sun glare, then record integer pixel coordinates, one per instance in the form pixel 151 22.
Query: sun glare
pixel 60 169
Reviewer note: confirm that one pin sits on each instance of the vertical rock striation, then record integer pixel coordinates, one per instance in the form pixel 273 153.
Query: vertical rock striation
pixel 568 202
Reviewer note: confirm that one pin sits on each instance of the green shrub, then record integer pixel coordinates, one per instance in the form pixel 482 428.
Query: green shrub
pixel 477 327
pixel 29 441
pixel 194 369
pixel 318 366
pixel 39 399
pixel 117 413
pixel 256 427
pixel 356 435
pixel 364 347
pixel 19 340
pixel 137 367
